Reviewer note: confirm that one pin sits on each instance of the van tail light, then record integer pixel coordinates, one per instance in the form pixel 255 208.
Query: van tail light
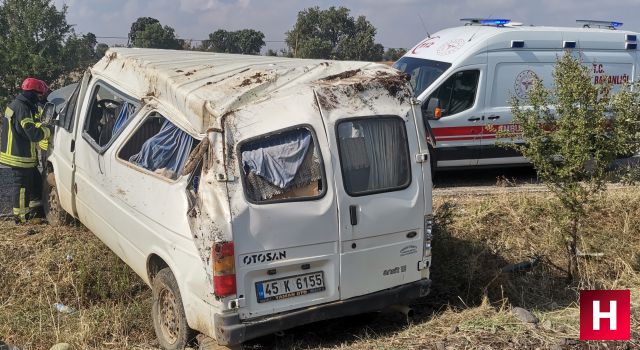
pixel 224 269
pixel 428 235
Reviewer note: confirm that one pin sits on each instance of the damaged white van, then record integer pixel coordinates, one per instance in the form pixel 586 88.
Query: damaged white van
pixel 252 194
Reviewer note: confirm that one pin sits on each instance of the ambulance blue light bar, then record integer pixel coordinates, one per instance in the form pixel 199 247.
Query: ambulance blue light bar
pixel 487 21
pixel 588 23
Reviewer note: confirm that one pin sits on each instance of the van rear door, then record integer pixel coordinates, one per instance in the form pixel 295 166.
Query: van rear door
pixel 381 204
pixel 285 227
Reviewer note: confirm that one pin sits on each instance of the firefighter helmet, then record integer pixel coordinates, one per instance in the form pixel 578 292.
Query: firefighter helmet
pixel 33 84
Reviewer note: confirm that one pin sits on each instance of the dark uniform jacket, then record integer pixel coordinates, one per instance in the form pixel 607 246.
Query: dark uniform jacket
pixel 21 132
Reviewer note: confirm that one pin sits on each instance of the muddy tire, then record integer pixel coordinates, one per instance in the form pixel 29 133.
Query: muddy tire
pixel 55 215
pixel 169 320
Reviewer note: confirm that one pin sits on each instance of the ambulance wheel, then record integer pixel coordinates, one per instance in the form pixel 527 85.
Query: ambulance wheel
pixel 169 319
pixel 55 215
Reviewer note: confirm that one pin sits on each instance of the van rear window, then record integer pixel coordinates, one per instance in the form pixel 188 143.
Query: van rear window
pixel 284 166
pixel 374 155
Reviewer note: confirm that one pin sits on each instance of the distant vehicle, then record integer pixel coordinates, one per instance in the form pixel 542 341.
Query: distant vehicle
pixel 465 77
pixel 253 194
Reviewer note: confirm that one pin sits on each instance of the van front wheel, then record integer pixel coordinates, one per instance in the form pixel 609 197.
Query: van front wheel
pixel 55 214
pixel 169 320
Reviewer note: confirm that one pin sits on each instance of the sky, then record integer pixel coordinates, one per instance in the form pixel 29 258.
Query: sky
pixel 399 22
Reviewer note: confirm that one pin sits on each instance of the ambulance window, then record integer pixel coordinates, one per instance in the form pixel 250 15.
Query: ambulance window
pixel 422 72
pixel 282 167
pixel 374 155
pixel 456 94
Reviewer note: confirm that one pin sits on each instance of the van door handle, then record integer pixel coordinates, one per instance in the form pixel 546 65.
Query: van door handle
pixel 73 145
pixel 493 117
pixel 353 213
pixel 474 119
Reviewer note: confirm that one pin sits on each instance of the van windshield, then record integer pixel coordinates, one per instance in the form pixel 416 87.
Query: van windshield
pixel 374 155
pixel 422 72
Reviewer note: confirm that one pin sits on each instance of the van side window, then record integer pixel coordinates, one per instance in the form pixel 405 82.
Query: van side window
pixel 108 112
pixel 67 115
pixel 455 95
pixel 158 146
pixel 283 166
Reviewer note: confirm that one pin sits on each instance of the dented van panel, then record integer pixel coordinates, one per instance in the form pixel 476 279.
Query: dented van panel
pixel 261 221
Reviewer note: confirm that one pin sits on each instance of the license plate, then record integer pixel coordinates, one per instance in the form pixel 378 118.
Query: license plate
pixel 289 287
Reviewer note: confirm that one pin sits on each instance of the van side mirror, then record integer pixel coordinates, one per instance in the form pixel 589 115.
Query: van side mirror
pixel 433 110
pixel 48 113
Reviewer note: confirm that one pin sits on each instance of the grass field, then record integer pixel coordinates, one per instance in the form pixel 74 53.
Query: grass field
pixel 469 307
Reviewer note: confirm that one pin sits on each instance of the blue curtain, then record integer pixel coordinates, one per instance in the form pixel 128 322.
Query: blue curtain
pixel 168 149
pixel 126 112
pixel 277 159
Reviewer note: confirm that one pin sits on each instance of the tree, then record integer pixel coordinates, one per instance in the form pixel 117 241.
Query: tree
pixel 32 42
pixel 139 26
pixel 101 49
pixel 393 54
pixel 245 41
pixel 572 133
pixel 148 32
pixel 250 41
pixel 360 44
pixel 79 52
pixel 333 34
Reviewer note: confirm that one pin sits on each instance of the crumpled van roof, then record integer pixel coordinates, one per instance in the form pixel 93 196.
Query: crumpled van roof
pixel 200 87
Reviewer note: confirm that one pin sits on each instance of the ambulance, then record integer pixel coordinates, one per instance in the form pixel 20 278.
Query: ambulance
pixel 465 76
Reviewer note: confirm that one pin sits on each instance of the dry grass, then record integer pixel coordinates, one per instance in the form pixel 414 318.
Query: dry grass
pixel 469 307
pixel 68 265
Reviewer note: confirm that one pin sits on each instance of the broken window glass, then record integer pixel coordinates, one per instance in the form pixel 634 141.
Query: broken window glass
pixel 108 106
pixel 374 154
pixel 284 166
pixel 158 146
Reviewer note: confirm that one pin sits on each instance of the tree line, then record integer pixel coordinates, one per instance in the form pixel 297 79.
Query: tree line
pixel 36 40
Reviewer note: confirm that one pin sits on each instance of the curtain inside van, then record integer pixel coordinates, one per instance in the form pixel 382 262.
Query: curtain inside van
pixel 126 111
pixel 374 155
pixel 278 159
pixel 165 152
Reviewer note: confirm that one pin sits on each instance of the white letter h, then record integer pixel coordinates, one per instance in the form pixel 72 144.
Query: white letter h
pixel 598 315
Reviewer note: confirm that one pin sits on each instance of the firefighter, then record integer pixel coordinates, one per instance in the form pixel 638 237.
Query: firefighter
pixel 21 133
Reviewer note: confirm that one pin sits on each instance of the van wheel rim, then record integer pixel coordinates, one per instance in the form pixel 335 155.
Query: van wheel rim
pixel 168 316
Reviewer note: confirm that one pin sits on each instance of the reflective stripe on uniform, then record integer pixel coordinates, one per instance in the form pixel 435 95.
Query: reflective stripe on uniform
pixel 22 211
pixel 15 161
pixel 26 121
pixel 8 114
pixel 34 204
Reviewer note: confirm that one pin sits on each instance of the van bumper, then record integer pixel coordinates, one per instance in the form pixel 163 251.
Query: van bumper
pixel 230 330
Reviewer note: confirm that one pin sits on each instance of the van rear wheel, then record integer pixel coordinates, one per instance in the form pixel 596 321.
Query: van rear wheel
pixel 169 320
